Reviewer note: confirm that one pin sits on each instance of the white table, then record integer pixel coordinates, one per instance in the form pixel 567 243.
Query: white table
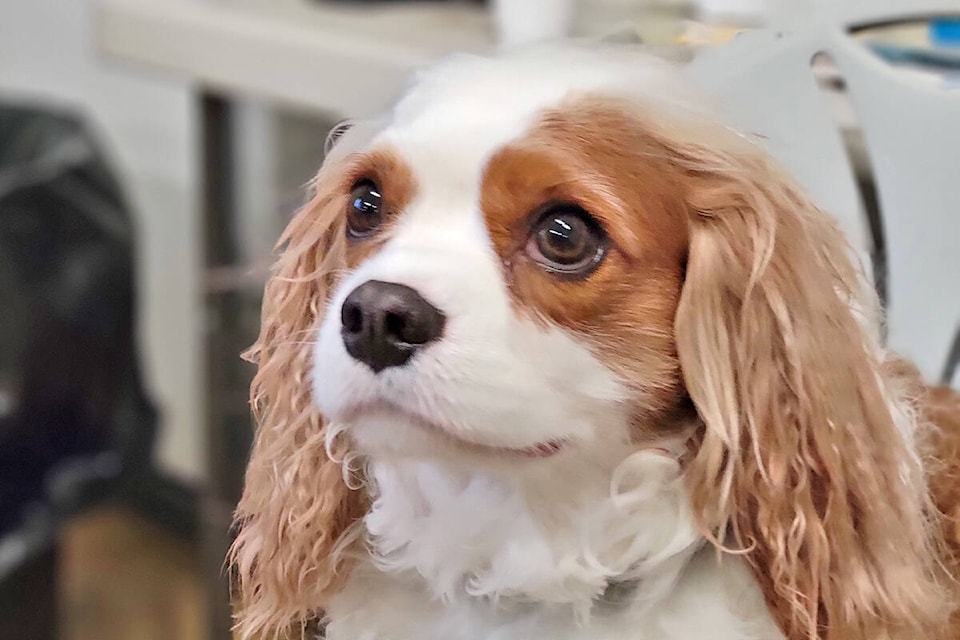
pixel 345 58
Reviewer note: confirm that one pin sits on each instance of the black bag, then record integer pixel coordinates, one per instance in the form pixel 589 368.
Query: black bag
pixel 73 414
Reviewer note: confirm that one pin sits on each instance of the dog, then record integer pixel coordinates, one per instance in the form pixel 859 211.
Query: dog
pixel 554 353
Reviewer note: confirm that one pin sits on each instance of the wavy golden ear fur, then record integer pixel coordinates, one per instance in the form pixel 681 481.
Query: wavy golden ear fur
pixel 807 464
pixel 296 506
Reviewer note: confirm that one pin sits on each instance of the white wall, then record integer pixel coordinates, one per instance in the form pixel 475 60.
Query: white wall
pixel 46 51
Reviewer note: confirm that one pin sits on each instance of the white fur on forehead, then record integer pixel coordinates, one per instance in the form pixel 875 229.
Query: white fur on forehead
pixel 527 81
pixel 349 137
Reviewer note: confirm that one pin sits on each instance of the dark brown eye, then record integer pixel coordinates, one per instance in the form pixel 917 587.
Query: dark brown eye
pixel 365 211
pixel 567 240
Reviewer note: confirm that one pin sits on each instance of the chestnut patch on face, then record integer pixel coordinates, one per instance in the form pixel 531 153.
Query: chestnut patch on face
pixel 375 187
pixel 595 156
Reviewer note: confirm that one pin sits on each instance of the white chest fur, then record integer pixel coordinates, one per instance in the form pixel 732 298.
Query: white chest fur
pixel 464 556
pixel 710 601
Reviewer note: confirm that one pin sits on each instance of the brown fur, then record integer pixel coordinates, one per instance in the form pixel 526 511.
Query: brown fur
pixel 724 285
pixel 802 466
pixel 296 507
pixel 940 406
pixel 625 309
pixel 938 409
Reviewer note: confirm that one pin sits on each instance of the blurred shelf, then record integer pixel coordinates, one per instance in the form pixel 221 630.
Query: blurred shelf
pixel 336 58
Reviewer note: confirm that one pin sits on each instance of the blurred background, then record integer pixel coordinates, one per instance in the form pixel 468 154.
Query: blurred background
pixel 151 152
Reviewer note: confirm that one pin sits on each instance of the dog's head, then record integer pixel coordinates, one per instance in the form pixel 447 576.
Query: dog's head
pixel 554 255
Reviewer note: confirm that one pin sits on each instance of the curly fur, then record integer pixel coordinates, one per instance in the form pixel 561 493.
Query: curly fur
pixel 297 506
pixel 802 459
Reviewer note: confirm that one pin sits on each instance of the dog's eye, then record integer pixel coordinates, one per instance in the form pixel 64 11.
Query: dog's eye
pixel 365 212
pixel 567 240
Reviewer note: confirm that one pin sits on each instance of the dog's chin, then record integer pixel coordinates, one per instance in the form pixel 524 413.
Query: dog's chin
pixel 385 430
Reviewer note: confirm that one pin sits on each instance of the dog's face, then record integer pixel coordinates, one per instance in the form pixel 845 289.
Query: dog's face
pixel 513 273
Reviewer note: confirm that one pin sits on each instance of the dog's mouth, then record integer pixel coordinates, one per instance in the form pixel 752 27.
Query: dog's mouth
pixel 544 449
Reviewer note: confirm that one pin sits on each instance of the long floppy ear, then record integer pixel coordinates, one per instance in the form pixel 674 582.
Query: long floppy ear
pixel 296 508
pixel 807 463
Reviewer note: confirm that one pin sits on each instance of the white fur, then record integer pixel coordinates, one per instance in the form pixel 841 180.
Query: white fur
pixel 463 556
pixel 466 539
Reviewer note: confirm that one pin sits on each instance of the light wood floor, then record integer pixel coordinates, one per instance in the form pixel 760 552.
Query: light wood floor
pixel 124 579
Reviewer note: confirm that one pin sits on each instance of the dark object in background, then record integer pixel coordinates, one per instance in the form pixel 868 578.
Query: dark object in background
pixel 75 422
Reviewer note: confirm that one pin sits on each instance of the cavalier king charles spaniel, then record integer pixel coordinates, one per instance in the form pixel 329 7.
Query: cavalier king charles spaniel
pixel 552 353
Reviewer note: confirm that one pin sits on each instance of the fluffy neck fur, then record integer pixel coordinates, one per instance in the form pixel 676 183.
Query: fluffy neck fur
pixel 555 532
pixel 596 545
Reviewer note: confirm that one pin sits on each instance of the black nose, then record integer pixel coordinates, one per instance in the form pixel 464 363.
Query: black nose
pixel 384 324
